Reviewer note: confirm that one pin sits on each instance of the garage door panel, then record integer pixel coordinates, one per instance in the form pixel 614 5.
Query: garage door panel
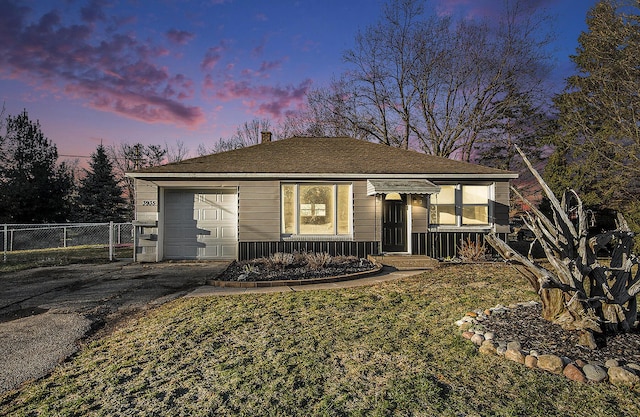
pixel 200 224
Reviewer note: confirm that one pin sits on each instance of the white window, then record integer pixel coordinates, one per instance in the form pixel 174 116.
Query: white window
pixel 461 205
pixel 316 209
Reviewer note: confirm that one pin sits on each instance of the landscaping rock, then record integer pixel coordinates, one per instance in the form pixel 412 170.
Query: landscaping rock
pixel 514 355
pixel 574 373
pixel 551 363
pixel 620 376
pixel 594 372
pixel 611 363
pixel 488 348
pixel 477 339
pixel 514 346
pixel 489 336
pixel 530 361
pixel 468 335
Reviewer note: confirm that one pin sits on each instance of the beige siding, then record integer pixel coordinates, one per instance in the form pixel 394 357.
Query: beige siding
pixel 501 207
pixel 259 211
pixel 418 214
pixel 366 216
pixel 147 208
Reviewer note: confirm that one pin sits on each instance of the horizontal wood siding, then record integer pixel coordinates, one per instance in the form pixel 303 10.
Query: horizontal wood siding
pixel 366 218
pixel 501 207
pixel 259 211
pixel 419 214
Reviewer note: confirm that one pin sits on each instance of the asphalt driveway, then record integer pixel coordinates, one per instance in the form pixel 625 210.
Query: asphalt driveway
pixel 44 312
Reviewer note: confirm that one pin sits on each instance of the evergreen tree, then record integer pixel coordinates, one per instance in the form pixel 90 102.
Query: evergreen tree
pixel 99 196
pixel 33 187
pixel 597 147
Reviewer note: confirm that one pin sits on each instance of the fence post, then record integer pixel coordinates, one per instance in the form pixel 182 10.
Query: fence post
pixel 111 241
pixel 64 237
pixel 6 242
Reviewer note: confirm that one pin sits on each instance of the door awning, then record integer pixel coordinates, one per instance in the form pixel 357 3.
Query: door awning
pixel 401 187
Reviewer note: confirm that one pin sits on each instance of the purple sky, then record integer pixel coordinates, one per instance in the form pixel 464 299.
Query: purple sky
pixel 158 71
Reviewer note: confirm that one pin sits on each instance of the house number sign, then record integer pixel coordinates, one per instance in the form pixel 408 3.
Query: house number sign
pixel 149 203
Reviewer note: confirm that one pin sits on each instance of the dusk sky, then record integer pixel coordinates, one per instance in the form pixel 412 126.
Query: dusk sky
pixel 110 71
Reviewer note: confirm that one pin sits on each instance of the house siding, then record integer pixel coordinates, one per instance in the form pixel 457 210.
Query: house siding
pixel 419 214
pixel 366 214
pixel 147 204
pixel 501 207
pixel 259 211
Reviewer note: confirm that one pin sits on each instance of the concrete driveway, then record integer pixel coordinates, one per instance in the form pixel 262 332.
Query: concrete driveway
pixel 44 312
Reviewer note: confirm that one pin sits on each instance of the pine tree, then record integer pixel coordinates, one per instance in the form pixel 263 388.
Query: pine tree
pixel 99 196
pixel 33 187
pixel 598 142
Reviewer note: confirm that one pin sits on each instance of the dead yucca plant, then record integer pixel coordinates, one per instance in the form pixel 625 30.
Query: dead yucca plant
pixel 472 251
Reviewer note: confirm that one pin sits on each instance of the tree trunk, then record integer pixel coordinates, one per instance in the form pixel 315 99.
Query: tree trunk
pixel 577 291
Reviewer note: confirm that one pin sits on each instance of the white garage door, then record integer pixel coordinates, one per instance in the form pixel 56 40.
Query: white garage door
pixel 200 224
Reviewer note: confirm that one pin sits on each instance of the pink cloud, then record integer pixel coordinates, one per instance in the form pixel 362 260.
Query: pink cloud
pixel 115 74
pixel 264 100
pixel 213 56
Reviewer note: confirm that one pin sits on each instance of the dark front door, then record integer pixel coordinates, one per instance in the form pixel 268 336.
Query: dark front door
pixel 394 226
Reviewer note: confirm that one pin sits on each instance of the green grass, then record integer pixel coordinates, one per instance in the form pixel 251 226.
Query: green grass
pixel 27 259
pixel 388 349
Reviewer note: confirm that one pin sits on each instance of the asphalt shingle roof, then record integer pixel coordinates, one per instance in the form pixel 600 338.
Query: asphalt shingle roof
pixel 321 155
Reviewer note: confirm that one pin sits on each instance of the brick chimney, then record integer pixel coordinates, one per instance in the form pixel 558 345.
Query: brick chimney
pixel 266 137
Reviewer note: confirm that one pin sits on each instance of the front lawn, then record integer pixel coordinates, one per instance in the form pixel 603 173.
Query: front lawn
pixel 388 349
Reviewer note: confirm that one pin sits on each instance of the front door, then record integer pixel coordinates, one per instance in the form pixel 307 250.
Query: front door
pixel 394 226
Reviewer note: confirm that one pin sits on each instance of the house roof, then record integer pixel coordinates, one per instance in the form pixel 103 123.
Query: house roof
pixel 327 156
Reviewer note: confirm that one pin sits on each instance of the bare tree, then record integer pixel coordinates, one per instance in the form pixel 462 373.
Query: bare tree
pixel 579 291
pixel 177 152
pixel 127 157
pixel 442 84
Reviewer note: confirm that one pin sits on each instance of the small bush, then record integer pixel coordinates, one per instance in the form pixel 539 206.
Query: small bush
pixel 281 260
pixel 470 251
pixel 317 260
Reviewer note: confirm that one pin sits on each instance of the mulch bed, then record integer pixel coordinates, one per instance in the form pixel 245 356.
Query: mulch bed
pixel 238 271
pixel 526 325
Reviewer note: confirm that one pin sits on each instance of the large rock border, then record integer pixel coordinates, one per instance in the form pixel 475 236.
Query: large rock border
pixel 613 371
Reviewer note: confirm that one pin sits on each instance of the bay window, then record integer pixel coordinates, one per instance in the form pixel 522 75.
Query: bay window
pixel 316 209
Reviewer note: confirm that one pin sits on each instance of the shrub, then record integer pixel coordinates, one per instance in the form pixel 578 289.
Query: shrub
pixel 317 261
pixel 470 251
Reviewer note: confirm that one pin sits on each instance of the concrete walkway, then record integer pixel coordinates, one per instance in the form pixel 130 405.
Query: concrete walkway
pixel 386 274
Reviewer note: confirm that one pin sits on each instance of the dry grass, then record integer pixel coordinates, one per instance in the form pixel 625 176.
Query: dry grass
pixel 27 259
pixel 388 349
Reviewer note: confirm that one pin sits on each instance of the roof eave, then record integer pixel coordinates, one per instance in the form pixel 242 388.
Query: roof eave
pixel 289 175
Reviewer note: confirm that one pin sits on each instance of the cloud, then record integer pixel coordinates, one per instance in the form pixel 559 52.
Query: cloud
pixel 93 12
pixel 111 70
pixel 264 100
pixel 180 37
pixel 213 56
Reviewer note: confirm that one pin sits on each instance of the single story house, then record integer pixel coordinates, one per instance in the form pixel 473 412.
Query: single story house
pixel 338 195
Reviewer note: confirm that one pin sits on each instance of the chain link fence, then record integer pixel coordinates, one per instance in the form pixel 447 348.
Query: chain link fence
pixel 84 242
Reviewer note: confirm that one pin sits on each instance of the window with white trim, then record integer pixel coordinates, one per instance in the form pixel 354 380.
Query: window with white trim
pixel 461 205
pixel 316 209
